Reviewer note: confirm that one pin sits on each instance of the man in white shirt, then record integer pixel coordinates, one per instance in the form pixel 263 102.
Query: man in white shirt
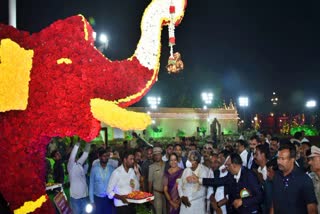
pixel 169 151
pixel 122 182
pixel 242 151
pixel 216 195
pixel 77 177
pixel 261 157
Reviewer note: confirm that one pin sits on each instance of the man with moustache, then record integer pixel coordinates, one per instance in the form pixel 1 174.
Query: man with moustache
pixel 242 151
pixel 145 169
pixel 177 148
pixel 272 168
pixel 274 146
pixel 122 182
pixel 99 179
pixel 293 190
pixel 155 181
pixel 314 161
pixel 261 157
pixel 169 151
pixel 254 141
pixel 216 195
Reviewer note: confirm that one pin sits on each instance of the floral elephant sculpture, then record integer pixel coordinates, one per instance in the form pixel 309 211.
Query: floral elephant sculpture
pixel 56 83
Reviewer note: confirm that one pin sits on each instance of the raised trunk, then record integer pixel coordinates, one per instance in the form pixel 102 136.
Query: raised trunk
pixel 149 45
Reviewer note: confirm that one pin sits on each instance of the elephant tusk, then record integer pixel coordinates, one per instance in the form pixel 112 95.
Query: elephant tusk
pixel 115 116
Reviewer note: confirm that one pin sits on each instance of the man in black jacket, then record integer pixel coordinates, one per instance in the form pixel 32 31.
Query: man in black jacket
pixel 242 186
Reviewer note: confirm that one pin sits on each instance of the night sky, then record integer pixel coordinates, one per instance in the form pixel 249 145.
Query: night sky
pixel 232 47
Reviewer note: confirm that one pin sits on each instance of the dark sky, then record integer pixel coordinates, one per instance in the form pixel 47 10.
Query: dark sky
pixel 233 47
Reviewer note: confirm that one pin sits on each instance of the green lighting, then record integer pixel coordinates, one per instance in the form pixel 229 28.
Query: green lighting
pixel 203 129
pixel 309 130
pixel 226 131
pixel 128 135
pixel 181 133
pixel 156 132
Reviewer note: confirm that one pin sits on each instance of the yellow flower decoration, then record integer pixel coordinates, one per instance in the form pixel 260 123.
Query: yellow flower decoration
pixel 64 60
pixel 15 67
pixel 114 116
pixel 31 206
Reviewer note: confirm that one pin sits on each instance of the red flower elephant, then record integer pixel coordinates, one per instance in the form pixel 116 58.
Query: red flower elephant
pixel 66 85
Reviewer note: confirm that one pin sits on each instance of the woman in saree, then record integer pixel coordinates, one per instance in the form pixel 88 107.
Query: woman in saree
pixel 170 184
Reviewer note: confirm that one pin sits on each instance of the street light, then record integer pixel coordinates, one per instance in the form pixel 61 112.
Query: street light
pixel 274 99
pixel 244 103
pixel 311 104
pixel 154 102
pixel 103 38
pixel 13 13
pixel 207 98
pixel 103 41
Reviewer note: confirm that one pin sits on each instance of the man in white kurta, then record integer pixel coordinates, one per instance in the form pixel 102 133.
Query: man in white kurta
pixel 195 192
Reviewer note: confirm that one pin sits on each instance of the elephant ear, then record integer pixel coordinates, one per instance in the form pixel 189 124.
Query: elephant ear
pixel 15 67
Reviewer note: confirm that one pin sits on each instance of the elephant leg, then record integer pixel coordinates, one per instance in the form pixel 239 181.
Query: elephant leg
pixel 23 177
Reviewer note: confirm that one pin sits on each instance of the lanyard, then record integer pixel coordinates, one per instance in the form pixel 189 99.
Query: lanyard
pixel 103 173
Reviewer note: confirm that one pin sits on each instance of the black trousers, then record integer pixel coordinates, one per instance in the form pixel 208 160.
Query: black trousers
pixel 130 209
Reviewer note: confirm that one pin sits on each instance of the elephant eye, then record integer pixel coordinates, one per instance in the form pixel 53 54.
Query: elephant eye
pixel 64 60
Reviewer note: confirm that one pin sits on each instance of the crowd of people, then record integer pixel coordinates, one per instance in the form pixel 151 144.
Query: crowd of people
pixel 256 175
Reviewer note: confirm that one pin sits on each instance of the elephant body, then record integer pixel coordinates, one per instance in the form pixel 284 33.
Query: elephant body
pixel 59 101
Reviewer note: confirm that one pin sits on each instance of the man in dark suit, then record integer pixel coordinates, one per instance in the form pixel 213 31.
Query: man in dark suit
pixel 245 192
pixel 242 186
pixel 254 141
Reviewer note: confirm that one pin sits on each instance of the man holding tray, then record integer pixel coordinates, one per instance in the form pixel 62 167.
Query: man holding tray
pixel 122 182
